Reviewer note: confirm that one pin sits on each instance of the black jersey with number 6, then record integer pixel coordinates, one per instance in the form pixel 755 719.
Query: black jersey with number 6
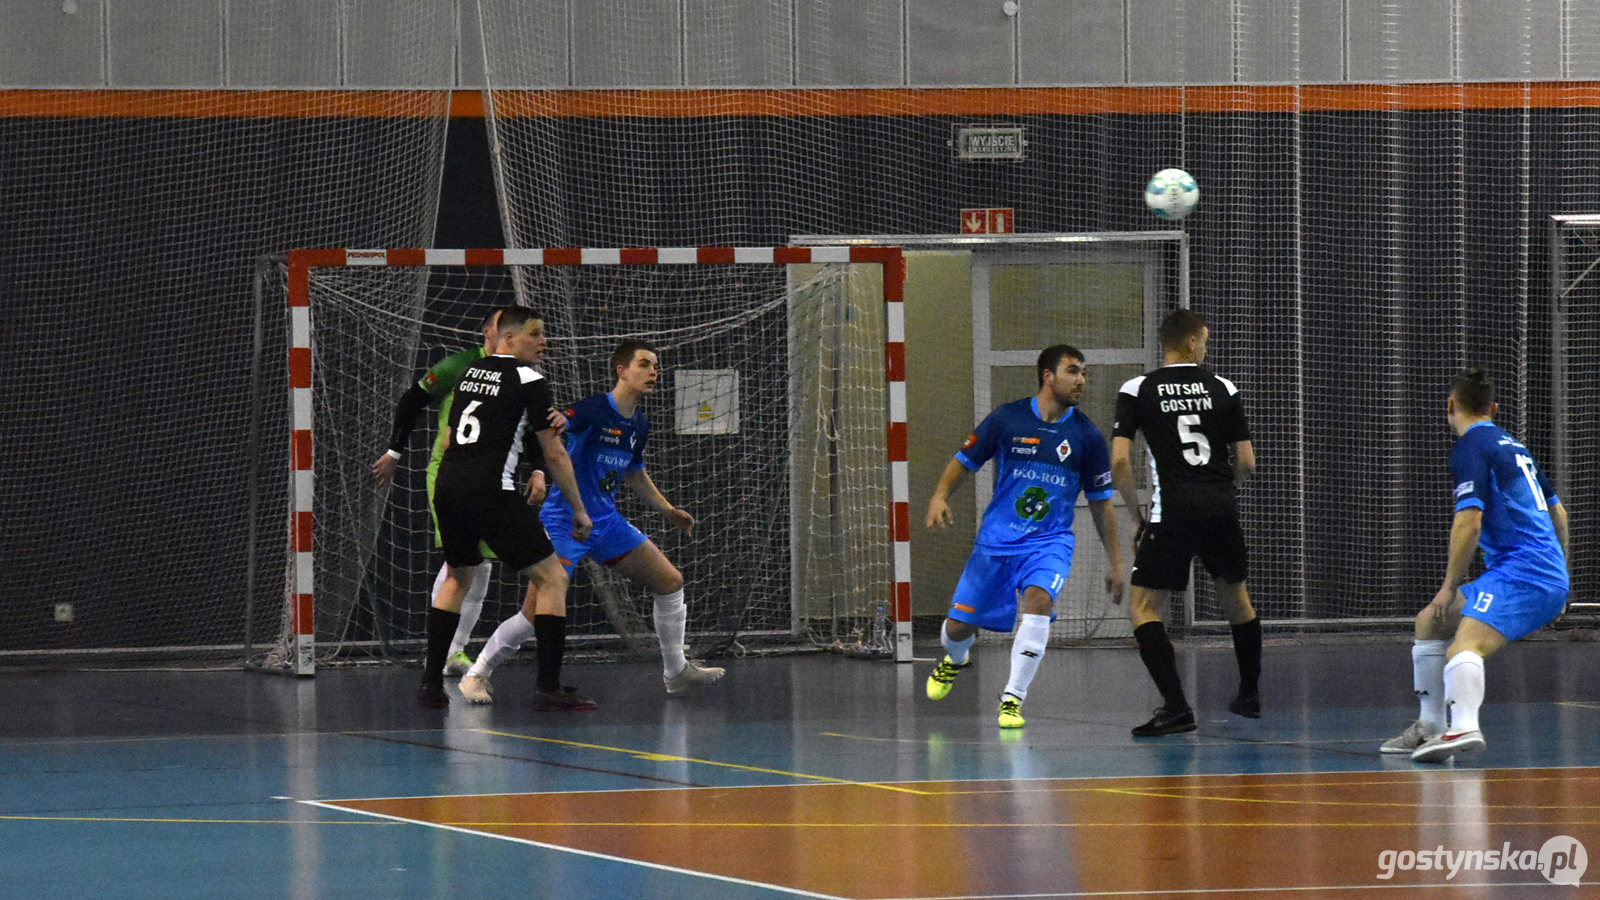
pixel 1190 419
pixel 497 402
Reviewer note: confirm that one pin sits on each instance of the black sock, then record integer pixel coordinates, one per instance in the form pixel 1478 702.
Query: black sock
pixel 1247 649
pixel 441 631
pixel 1155 648
pixel 550 636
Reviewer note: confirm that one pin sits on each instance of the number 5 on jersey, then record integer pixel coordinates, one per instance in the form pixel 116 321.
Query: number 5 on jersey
pixel 1200 453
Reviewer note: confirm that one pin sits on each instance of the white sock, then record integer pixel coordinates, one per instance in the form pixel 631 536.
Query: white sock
pixel 1027 648
pixel 503 644
pixel 1463 690
pixel 1427 679
pixel 956 650
pixel 671 616
pixel 471 605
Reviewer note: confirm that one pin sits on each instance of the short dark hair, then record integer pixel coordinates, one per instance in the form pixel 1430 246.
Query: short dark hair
pixel 1051 356
pixel 623 355
pixel 1179 326
pixel 514 317
pixel 1473 391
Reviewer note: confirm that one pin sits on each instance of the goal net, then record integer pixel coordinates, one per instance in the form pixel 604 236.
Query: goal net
pixel 768 425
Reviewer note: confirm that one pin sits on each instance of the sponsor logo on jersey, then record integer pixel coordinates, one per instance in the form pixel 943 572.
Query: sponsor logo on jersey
pixel 1027 440
pixel 971 439
pixel 429 380
pixel 1102 480
pixel 1463 489
pixel 1064 450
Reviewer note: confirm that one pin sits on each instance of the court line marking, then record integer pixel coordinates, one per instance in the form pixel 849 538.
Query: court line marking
pixel 1178 892
pixel 589 853
pixel 1063 825
pixel 1274 800
pixel 649 756
pixel 1309 743
pixel 1577 704
pixel 146 821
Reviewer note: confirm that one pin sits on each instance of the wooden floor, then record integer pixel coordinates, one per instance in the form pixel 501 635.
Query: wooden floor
pixel 808 775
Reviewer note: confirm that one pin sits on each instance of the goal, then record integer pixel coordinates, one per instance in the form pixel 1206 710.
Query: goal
pixel 779 424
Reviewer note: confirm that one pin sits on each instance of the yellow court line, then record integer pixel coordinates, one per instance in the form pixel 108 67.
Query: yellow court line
pixel 185 821
pixel 661 757
pixel 1577 704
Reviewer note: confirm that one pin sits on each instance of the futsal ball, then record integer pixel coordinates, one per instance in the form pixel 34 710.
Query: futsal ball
pixel 1171 194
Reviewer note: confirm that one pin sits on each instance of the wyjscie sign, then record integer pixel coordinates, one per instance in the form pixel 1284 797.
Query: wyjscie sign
pixel 990 142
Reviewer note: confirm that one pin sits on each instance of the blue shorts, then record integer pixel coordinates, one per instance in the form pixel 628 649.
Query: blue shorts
pixel 986 595
pixel 611 538
pixel 1511 604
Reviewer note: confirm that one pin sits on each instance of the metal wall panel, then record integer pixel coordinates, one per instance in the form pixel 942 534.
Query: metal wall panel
pixel 528 43
pixel 1183 43
pixel 1510 40
pixel 959 42
pixel 54 44
pixel 399 43
pixel 623 43
pixel 1581 40
pixel 738 43
pixel 1399 42
pixel 1269 45
pixel 1071 42
pixel 1322 42
pixel 289 43
pixel 859 44
pixel 174 43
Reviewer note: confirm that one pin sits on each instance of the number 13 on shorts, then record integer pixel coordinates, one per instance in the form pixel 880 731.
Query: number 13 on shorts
pixel 1482 603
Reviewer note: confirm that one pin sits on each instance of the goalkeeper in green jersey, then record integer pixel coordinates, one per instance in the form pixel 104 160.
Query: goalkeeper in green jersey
pixel 438 385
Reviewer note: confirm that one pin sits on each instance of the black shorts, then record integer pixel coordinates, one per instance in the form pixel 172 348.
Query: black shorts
pixel 501 519
pixel 1161 561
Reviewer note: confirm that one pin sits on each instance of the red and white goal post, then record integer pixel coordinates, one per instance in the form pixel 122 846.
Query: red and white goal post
pixel 361 325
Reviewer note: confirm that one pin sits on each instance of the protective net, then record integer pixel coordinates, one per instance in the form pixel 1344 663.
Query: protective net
pixel 133 219
pixel 1370 223
pixel 767 425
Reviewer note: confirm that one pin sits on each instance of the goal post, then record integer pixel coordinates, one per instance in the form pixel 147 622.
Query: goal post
pixel 1575 425
pixel 770 357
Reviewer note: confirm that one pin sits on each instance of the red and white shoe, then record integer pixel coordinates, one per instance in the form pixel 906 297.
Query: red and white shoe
pixel 1441 748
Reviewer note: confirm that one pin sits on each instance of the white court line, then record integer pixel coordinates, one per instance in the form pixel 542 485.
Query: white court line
pixel 605 856
pixel 1188 892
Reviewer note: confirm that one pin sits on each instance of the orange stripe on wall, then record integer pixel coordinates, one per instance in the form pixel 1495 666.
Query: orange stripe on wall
pixel 831 102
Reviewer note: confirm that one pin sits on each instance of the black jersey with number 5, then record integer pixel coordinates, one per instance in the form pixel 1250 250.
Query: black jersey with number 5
pixel 1190 419
pixel 499 403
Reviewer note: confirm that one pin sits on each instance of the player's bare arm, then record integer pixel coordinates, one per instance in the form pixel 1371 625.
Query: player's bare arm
pixel 1105 522
pixel 1122 480
pixel 939 515
pixel 538 488
pixel 640 482
pixel 1558 519
pixel 1464 532
pixel 1244 462
pixel 560 466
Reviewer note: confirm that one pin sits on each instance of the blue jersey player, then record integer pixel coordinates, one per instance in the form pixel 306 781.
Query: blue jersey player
pixel 1505 505
pixel 1045 452
pixel 606 436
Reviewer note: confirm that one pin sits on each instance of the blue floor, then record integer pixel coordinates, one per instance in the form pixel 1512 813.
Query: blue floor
pixel 151 784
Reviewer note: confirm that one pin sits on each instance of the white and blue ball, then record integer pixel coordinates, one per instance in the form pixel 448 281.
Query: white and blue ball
pixel 1172 194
